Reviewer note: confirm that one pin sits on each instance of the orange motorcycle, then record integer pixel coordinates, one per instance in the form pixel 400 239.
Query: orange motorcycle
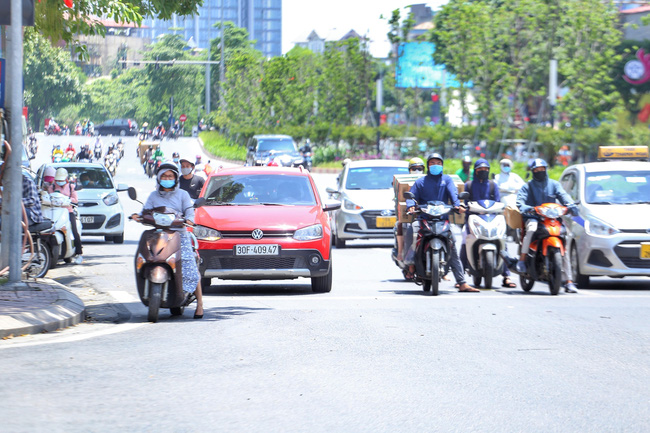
pixel 544 258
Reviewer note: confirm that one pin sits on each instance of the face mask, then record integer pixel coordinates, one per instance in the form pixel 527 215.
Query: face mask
pixel 60 182
pixel 539 176
pixel 175 159
pixel 186 171
pixel 435 170
pixel 167 183
pixel 482 175
pixel 505 168
pixel 84 182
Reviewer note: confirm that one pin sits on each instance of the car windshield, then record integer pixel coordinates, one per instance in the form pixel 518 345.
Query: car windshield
pixel 621 187
pixel 280 144
pixel 372 177
pixel 268 189
pixel 90 177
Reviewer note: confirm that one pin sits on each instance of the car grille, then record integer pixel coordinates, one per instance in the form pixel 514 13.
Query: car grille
pixel 370 217
pixel 88 203
pixel 250 262
pixel 249 234
pixel 99 220
pixel 629 252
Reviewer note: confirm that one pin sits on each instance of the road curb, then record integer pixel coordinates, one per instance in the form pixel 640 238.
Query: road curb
pixel 54 307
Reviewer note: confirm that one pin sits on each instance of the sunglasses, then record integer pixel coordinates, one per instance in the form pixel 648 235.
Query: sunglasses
pixel 420 169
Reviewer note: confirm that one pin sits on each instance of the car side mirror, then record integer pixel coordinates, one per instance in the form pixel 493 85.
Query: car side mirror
pixel 330 206
pixel 463 195
pixel 32 157
pixel 78 187
pixel 330 190
pixel 251 148
pixel 199 202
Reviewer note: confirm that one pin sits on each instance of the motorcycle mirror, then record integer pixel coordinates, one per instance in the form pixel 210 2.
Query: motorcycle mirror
pixel 199 202
pixel 133 195
pixel 409 194
pixel 463 195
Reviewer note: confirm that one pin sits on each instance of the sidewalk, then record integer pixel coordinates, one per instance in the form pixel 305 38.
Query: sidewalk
pixel 32 307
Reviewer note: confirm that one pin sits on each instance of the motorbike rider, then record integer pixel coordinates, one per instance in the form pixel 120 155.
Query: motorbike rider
pixel 189 181
pixel 482 188
pixel 71 148
pixel 507 179
pixel 57 152
pixel 536 192
pixel 436 186
pixel 168 194
pixel 416 166
pixel 62 185
pixel 84 153
pixel 176 158
pixel 31 198
pixel 148 154
pixel 158 154
pixel 464 172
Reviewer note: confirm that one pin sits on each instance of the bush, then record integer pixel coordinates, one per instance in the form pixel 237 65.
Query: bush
pixel 221 147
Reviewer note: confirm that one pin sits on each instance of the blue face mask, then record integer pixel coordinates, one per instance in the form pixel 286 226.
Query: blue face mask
pixel 167 183
pixel 506 168
pixel 435 170
pixel 175 159
pixel 85 182
pixel 60 182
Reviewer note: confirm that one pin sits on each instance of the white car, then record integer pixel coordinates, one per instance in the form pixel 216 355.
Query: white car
pixel 365 190
pixel 611 236
pixel 99 208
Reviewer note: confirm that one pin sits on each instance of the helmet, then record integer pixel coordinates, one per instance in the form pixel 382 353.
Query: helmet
pixel 150 147
pixel 159 123
pixel 435 156
pixel 49 173
pixel 506 161
pixel 61 174
pixel 166 166
pixel 467 159
pixel 416 162
pixel 537 162
pixel 175 155
pixel 198 158
pixel 481 163
pixel 182 160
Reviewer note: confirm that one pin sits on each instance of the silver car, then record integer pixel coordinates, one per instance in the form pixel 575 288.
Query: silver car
pixel 611 237
pixel 367 200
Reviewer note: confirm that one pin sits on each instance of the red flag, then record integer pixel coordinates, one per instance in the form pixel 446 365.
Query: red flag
pixel 68 3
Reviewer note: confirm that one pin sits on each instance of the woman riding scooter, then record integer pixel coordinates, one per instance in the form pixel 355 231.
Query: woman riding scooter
pixel 62 185
pixel 169 195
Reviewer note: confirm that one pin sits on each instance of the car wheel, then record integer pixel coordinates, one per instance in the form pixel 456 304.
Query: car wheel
pixel 108 238
pixel 338 242
pixel 322 284
pixel 122 132
pixel 581 280
pixel 119 239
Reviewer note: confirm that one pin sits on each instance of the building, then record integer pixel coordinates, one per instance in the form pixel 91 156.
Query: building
pixel 262 19
pixel 421 13
pixel 317 44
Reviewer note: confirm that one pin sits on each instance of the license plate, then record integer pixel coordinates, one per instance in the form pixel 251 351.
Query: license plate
pixel 87 219
pixel 257 250
pixel 386 221
pixel 645 250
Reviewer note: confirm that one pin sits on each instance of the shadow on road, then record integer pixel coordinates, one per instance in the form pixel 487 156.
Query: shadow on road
pixel 271 289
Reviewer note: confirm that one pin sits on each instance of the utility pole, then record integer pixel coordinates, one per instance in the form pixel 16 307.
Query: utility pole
pixel 13 191
pixel 207 83
pixel 222 64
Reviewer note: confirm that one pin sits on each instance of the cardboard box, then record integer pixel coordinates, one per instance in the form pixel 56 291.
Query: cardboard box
pixel 455 218
pixel 401 214
pixel 143 146
pixel 513 218
pixel 403 182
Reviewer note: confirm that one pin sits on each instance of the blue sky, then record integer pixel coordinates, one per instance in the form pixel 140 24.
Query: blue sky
pixel 333 18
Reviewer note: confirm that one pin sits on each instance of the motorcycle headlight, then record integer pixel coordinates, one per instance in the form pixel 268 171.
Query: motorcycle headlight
pixel 309 233
pixel 479 229
pixel 347 204
pixel 596 227
pixel 110 199
pixel 206 233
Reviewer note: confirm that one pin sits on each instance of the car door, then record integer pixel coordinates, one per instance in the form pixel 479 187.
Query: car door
pixel 107 127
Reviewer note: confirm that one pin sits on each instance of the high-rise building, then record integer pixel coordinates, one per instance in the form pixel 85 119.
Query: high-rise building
pixel 262 19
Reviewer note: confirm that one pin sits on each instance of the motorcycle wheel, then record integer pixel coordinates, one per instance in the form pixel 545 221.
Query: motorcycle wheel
pixel 526 283
pixel 555 273
pixel 41 261
pixel 488 268
pixel 155 299
pixel 476 279
pixel 435 273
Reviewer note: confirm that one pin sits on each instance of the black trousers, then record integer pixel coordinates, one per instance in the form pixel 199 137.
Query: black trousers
pixel 75 234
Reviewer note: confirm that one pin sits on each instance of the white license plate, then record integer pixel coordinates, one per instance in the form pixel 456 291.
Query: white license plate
pixel 257 250
pixel 87 219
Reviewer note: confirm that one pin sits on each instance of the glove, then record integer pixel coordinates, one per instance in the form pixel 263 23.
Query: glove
pixel 573 210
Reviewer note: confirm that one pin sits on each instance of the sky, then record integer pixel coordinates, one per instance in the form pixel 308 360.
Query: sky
pixel 333 18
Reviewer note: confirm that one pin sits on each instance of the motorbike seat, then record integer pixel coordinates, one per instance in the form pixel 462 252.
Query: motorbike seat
pixel 39 227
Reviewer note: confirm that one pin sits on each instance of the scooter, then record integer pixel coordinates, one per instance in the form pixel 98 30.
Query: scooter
pixel 306 154
pixel 485 239
pixel 432 234
pixel 111 164
pixel 98 153
pixel 158 264
pixel 509 199
pixel 54 207
pixel 548 246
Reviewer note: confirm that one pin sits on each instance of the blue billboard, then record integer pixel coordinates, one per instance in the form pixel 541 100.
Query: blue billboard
pixel 416 69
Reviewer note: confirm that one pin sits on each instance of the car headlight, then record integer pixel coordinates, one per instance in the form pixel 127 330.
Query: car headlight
pixel 110 199
pixel 206 233
pixel 596 227
pixel 309 233
pixel 347 204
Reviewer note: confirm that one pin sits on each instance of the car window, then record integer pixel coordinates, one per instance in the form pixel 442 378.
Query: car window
pixel 94 177
pixel 569 184
pixel 282 144
pixel 622 187
pixel 372 177
pixel 246 189
pixel 109 123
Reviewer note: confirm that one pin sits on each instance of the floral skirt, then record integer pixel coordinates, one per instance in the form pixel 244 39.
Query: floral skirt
pixel 191 273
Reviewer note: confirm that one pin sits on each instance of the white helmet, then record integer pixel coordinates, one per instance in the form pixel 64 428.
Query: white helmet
pixel 61 174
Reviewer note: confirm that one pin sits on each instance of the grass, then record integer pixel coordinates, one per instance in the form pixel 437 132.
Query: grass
pixel 218 146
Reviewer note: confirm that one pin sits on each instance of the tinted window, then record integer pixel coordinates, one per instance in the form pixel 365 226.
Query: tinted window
pixel 98 177
pixel 622 187
pixel 246 189
pixel 372 177
pixel 283 144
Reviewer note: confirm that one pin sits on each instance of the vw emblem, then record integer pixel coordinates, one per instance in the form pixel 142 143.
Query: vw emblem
pixel 257 234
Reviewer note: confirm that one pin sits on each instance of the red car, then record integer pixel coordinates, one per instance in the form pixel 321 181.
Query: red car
pixel 260 223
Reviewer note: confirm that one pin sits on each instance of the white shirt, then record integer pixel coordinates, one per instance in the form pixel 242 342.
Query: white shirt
pixel 510 181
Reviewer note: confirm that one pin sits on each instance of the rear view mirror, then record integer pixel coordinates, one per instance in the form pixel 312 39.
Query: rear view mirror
pixel 463 195
pixel 133 195
pixel 330 206
pixel 199 202
pixel 409 194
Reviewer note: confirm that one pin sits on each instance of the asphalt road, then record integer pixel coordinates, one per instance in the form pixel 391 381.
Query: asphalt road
pixel 375 354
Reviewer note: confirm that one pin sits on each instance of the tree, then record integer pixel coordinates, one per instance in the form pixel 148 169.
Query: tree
pixel 51 80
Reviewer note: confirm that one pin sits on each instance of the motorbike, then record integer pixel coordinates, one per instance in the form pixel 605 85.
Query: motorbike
pixel 78 130
pixel 98 153
pixel 547 247
pixel 33 144
pixel 120 150
pixel 151 167
pixel 306 154
pixel 57 157
pixel 432 234
pixel 111 164
pixel 61 242
pixel 68 157
pixel 158 264
pixel 52 129
pixel 486 238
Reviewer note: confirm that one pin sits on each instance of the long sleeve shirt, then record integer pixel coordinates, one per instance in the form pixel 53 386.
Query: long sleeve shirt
pixel 31 200
pixel 67 190
pixel 535 193
pixel 434 188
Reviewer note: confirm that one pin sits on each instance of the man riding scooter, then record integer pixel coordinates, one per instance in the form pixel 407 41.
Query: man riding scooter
pixel 536 192
pixel 404 231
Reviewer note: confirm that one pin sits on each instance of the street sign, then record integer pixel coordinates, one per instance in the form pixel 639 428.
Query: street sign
pixel 183 118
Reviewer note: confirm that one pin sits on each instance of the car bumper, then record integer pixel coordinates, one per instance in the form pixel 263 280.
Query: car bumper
pixel 614 256
pixel 361 225
pixel 288 264
pixel 107 220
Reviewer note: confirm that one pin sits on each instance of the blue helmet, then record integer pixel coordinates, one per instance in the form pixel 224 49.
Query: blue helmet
pixel 481 163
pixel 537 162
pixel 435 155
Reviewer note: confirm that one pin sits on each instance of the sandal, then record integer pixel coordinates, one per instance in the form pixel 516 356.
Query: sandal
pixel 456 286
pixel 508 283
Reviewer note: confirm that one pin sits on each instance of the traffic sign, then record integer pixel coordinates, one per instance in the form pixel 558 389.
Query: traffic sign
pixel 183 118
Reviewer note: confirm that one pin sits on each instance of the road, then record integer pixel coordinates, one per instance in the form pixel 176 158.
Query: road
pixel 375 354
